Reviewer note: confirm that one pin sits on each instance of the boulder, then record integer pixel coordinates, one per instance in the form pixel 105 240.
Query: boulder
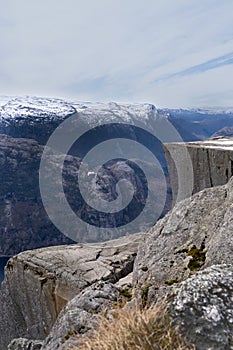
pixel 203 308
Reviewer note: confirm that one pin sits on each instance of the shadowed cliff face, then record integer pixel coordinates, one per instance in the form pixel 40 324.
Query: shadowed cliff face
pixel 24 223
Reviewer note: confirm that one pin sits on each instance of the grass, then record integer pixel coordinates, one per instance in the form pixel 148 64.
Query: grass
pixel 136 329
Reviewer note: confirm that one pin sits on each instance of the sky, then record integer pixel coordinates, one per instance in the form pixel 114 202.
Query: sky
pixel 169 53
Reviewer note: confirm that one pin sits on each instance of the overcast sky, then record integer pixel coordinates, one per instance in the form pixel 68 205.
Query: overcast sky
pixel 172 53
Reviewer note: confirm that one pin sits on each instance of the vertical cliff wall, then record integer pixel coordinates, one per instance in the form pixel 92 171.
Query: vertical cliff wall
pixel 211 162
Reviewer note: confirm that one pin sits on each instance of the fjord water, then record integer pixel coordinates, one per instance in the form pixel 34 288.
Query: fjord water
pixel 3 261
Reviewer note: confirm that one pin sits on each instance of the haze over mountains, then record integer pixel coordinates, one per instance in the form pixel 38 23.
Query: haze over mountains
pixel 25 126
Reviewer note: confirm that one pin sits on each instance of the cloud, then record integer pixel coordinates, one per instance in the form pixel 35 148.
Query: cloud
pixel 123 51
pixel 203 67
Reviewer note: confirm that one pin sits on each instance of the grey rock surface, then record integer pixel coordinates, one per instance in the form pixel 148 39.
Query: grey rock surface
pixel 211 165
pixel 39 283
pixel 125 282
pixel 80 316
pixel 196 234
pixel 24 344
pixel 203 307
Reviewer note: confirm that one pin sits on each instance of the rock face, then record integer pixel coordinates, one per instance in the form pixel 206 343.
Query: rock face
pixel 24 223
pixel 39 283
pixel 211 161
pixel 80 315
pixel 196 234
pixel 203 308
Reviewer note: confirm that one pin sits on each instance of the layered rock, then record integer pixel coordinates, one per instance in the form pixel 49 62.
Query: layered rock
pixel 39 283
pixel 194 166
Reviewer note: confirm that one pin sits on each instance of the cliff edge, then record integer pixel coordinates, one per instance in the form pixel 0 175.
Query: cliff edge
pixel 211 161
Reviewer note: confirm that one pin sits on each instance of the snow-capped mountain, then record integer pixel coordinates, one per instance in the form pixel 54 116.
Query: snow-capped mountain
pixel 42 108
pixel 37 118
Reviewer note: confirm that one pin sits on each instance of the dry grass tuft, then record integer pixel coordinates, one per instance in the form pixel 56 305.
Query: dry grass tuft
pixel 146 329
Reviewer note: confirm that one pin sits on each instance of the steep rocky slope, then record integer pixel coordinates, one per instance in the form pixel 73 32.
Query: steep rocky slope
pixel 196 234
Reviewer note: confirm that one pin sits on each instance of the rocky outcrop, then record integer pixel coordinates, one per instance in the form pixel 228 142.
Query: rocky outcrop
pixel 196 234
pixel 211 165
pixel 80 315
pixel 39 283
pixel 203 308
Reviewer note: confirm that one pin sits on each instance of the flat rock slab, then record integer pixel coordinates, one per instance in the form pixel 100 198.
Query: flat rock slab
pixel 42 281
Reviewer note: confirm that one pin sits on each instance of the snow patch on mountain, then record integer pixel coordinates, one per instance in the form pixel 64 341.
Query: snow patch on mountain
pixel 36 108
pixel 207 110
